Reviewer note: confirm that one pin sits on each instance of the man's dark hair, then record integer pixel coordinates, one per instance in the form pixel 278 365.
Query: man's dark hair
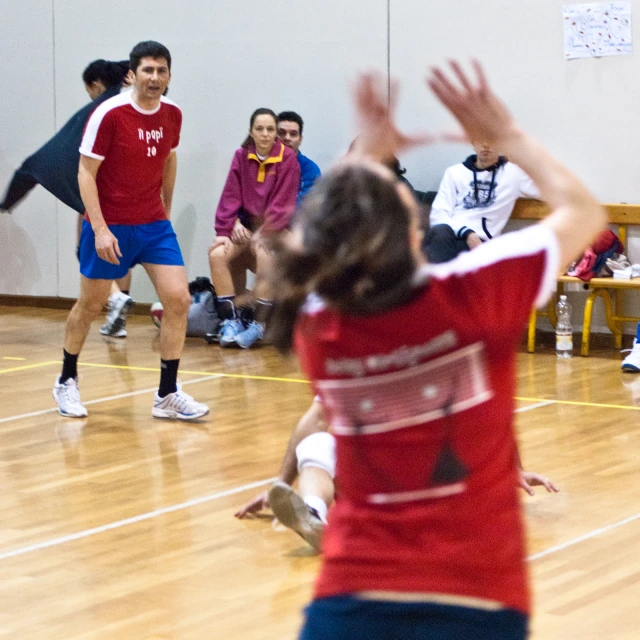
pixel 110 73
pixel 290 116
pixel 148 49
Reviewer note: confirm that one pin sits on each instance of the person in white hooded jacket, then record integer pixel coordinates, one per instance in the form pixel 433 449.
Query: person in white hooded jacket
pixel 474 202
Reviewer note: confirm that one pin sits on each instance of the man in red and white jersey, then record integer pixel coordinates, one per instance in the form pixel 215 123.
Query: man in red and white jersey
pixel 127 174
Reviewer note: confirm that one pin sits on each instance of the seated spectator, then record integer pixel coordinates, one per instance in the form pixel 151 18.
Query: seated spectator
pixel 258 200
pixel 474 202
pixel 289 129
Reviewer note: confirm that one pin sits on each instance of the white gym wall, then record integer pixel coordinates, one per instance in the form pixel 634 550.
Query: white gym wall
pixel 231 57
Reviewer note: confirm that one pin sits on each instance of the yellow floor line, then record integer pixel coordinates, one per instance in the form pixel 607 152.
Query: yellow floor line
pixel 12 358
pixel 581 404
pixel 296 380
pixel 30 366
pixel 195 373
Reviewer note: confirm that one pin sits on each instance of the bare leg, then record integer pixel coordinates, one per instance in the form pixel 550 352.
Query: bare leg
pixel 314 481
pixel 264 263
pixel 172 288
pixel 93 296
pixel 238 275
pixel 220 265
pixel 124 284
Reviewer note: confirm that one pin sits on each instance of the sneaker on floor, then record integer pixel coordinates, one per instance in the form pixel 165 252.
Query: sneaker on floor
pixel 116 330
pixel 178 406
pixel 119 305
pixel 67 396
pixel 229 329
pixel 632 362
pixel 250 335
pixel 293 512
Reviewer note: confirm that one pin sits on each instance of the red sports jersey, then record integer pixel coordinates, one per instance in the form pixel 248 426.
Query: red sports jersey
pixel 420 399
pixel 133 145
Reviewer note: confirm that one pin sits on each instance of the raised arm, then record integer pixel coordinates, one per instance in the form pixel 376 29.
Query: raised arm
pixel 576 216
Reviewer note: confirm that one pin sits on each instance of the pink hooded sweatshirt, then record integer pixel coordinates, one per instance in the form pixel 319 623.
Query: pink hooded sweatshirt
pixel 267 188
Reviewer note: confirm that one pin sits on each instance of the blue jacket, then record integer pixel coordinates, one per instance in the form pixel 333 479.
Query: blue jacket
pixel 309 173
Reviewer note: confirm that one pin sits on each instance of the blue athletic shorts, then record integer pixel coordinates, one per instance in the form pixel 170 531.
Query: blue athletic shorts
pixel 349 618
pixel 152 243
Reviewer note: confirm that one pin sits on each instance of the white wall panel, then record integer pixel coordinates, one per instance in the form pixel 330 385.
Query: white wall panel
pixel 27 237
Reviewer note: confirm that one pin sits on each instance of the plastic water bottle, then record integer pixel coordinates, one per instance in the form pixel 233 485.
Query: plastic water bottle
pixel 564 331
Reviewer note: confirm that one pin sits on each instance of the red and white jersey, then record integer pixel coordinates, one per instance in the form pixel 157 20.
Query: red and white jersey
pixel 133 145
pixel 420 399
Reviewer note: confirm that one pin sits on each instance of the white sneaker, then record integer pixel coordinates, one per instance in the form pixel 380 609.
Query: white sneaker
pixel 293 512
pixel 67 396
pixel 632 362
pixel 178 405
pixel 119 305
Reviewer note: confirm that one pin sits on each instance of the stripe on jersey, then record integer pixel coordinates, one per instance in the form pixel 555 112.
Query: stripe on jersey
pixel 91 130
pixel 447 385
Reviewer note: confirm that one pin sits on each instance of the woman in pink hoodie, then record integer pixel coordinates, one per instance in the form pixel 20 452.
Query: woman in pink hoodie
pixel 258 200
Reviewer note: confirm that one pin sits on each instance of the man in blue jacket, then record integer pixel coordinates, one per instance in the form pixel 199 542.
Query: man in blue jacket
pixel 289 129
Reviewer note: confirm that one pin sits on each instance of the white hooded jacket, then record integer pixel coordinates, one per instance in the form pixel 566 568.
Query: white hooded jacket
pixel 480 200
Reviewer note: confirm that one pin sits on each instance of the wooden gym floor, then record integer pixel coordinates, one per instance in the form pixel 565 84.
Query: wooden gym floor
pixel 121 526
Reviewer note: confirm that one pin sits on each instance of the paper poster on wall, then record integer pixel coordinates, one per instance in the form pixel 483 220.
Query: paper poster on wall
pixel 597 29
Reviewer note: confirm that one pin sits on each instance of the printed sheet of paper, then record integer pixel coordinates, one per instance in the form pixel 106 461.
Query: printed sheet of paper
pixel 597 29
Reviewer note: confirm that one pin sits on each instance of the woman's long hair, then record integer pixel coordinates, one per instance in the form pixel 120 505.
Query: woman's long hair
pixel 351 247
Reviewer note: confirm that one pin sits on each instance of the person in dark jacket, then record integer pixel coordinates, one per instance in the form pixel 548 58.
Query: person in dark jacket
pixel 55 164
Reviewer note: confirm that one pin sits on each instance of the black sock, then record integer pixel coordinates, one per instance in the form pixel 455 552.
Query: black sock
pixel 168 377
pixel 69 366
pixel 226 308
pixel 263 310
pixel 125 291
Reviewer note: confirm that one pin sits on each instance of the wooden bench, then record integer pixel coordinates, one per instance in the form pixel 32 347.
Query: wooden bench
pixel 610 290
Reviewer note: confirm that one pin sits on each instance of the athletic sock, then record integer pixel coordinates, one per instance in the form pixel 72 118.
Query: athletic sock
pixel 125 291
pixel 318 505
pixel 69 366
pixel 168 377
pixel 226 308
pixel 263 311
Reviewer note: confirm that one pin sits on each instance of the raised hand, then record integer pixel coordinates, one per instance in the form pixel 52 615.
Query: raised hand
pixel 482 115
pixel 379 137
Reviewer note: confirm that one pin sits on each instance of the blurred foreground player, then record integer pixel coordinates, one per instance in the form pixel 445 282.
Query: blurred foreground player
pixel 417 375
